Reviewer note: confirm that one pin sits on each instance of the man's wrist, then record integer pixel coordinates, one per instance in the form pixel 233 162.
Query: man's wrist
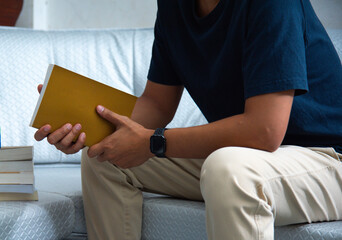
pixel 149 133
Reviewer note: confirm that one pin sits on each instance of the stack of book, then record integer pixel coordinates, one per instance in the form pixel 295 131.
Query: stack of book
pixel 16 174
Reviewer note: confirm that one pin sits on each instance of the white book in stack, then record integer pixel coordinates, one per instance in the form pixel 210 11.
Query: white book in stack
pixel 16 174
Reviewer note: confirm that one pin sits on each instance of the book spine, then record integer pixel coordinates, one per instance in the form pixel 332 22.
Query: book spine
pixel 16 166
pixel 17 178
pixel 46 81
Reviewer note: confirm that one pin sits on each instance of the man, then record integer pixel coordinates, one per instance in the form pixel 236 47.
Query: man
pixel 268 79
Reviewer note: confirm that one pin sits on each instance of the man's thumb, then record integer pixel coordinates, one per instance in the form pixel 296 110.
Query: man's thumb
pixel 39 88
pixel 108 115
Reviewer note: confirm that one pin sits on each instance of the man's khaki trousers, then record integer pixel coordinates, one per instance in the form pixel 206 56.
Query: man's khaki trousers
pixel 246 192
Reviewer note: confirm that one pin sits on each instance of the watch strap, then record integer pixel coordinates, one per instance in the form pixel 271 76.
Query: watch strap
pixel 159 132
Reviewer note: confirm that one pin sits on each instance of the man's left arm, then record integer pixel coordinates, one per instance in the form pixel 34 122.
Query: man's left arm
pixel 262 126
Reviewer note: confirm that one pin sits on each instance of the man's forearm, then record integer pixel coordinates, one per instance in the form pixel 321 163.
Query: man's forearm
pixel 262 126
pixel 200 141
pixel 147 113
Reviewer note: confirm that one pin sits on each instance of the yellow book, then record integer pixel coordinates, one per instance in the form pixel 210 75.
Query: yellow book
pixel 19 196
pixel 68 97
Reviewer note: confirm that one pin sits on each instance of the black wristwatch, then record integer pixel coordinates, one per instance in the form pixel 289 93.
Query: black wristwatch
pixel 158 142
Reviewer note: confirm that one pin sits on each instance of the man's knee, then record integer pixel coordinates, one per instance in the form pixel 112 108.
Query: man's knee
pixel 230 169
pixel 229 161
pixel 93 166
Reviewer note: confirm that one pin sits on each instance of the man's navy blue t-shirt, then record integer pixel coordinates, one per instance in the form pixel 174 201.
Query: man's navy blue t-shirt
pixel 245 48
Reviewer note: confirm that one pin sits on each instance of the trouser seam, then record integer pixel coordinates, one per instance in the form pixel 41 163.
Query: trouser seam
pixel 330 167
pixel 267 182
pixel 126 213
pixel 256 219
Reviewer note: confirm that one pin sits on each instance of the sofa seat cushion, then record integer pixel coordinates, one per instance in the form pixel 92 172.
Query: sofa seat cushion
pixel 164 217
pixel 52 217
pixel 169 218
pixel 313 231
pixel 63 179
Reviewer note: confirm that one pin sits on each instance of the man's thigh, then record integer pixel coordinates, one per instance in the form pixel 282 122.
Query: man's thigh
pixel 300 184
pixel 305 183
pixel 309 187
pixel 171 176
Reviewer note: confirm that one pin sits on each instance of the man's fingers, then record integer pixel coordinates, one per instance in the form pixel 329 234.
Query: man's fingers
pixel 79 143
pixel 42 132
pixel 95 150
pixel 67 140
pixel 40 86
pixel 110 116
pixel 63 137
pixel 59 134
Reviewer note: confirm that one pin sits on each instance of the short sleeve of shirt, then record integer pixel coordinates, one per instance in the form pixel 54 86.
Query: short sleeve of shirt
pixel 274 48
pixel 161 69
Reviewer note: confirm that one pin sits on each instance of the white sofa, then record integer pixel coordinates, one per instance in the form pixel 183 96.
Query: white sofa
pixel 119 58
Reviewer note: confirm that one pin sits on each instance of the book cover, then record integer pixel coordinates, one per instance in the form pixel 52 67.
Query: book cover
pixel 19 196
pixel 68 97
pixel 17 188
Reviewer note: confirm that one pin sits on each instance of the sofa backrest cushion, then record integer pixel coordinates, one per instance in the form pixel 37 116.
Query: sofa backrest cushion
pixel 336 38
pixel 119 58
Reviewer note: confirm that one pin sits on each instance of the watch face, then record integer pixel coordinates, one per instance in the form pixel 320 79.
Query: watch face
pixel 158 144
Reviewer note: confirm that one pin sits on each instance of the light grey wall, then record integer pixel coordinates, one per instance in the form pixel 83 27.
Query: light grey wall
pixel 26 16
pixel 101 13
pixel 60 14
pixel 64 14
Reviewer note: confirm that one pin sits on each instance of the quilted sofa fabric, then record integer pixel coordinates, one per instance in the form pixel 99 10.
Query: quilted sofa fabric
pixel 162 215
pixel 336 38
pixel 50 218
pixel 313 231
pixel 65 180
